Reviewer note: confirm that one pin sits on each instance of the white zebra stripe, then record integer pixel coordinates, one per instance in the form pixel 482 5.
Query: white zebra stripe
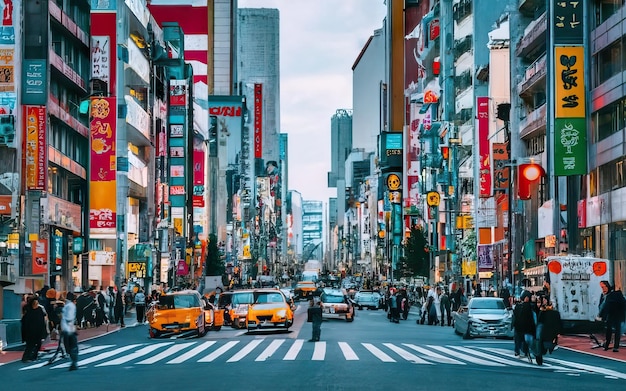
pixel 320 351
pixel 247 349
pixel 347 351
pixel 169 352
pixel 377 352
pixel 99 357
pixel 436 356
pixel 294 350
pixel 191 353
pixel 406 355
pixel 139 353
pixel 465 357
pixel 223 349
pixel 267 353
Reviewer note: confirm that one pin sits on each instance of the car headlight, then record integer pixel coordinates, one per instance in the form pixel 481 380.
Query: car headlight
pixel 281 313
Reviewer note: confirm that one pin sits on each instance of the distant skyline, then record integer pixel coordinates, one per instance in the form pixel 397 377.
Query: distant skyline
pixel 319 42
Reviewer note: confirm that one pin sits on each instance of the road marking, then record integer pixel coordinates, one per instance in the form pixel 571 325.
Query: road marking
pixel 267 353
pixel 135 355
pixel 223 349
pixel 603 371
pixel 99 357
pixel 169 352
pixel 377 352
pixel 294 350
pixel 247 349
pixel 347 351
pixel 465 357
pixel 191 353
pixel 515 363
pixel 48 357
pixel 438 357
pixel 406 355
pixel 320 351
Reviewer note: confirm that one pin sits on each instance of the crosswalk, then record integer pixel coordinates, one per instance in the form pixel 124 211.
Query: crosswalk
pixel 261 350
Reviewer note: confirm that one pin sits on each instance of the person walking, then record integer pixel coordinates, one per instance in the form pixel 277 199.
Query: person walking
pixel 393 308
pixel 34 328
pixel 110 299
pixel 140 305
pixel 444 305
pixel 548 329
pixel 119 308
pixel 524 324
pixel 314 315
pixel 68 329
pixel 612 311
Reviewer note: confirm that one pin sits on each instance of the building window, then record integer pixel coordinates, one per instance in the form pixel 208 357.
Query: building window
pixel 611 176
pixel 608 62
pixel 535 145
pixel 604 9
pixel 608 120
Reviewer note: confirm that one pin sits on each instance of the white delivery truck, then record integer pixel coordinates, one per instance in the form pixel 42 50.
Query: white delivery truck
pixel 575 287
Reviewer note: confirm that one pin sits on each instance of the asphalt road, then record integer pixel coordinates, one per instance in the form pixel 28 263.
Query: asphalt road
pixel 367 354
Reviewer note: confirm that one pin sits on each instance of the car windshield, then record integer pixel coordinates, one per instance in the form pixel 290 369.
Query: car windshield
pixel 178 301
pixel 487 305
pixel 242 298
pixel 326 298
pixel 305 285
pixel 268 297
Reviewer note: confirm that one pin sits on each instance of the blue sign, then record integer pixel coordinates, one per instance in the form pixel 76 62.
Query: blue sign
pixel 34 82
pixel 108 5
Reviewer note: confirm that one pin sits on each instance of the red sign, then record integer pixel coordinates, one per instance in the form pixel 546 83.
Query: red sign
pixel 484 151
pixel 40 256
pixel 182 269
pixel 258 120
pixel 226 111
pixel 582 213
pixel 434 29
pixel 178 92
pixel 36 147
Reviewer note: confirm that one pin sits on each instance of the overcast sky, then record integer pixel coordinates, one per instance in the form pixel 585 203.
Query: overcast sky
pixel 319 42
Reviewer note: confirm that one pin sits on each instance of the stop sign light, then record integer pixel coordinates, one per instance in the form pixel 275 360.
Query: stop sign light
pixel 528 174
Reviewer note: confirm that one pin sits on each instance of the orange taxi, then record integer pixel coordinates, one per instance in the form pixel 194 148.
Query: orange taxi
pixel 270 309
pixel 180 312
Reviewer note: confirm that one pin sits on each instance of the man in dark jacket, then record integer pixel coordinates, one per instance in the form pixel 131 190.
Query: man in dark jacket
pixel 612 311
pixel 524 323
pixel 315 316
pixel 33 328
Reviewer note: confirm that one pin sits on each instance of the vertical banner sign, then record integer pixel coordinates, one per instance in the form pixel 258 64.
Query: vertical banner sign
pixel 258 121
pixel 40 256
pixel 35 148
pixel 199 170
pixel 570 127
pixel 102 186
pixel 100 58
pixel 568 22
pixel 484 166
pixel 501 173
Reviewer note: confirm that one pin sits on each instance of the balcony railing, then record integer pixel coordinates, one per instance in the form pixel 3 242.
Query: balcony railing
pixel 534 73
pixel 534 36
pixel 533 122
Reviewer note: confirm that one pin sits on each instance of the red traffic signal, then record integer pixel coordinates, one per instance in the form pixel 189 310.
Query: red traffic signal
pixel 528 174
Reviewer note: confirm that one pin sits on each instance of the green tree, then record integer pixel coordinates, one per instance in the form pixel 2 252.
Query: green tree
pixel 416 253
pixel 214 265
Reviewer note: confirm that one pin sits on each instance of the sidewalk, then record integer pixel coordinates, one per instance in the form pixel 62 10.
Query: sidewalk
pixel 584 344
pixel 14 353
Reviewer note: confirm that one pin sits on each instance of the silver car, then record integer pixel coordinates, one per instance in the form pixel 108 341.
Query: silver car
pixel 483 317
pixel 367 299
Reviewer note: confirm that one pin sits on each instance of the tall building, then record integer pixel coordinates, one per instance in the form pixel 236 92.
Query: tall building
pixel 312 230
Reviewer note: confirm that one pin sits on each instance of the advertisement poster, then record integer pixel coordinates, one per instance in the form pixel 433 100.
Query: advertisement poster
pixel 484 150
pixel 36 148
pixel 40 256
pixel 102 195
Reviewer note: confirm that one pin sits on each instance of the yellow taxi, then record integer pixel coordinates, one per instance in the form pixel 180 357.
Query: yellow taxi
pixel 180 312
pixel 270 309
pixel 304 290
pixel 234 306
pixel 337 305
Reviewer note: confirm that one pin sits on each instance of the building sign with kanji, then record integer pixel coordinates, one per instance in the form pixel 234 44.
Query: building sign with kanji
pixel 567 21
pixel 570 127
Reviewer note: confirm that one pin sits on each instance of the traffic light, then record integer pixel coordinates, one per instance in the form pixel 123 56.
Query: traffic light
pixel 528 174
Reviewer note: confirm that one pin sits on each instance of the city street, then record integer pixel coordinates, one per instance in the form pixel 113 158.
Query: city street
pixel 368 353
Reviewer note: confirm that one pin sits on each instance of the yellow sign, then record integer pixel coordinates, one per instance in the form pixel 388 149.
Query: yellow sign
pixel 569 79
pixel 433 198
pixel 178 225
pixel 393 182
pixel 468 268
